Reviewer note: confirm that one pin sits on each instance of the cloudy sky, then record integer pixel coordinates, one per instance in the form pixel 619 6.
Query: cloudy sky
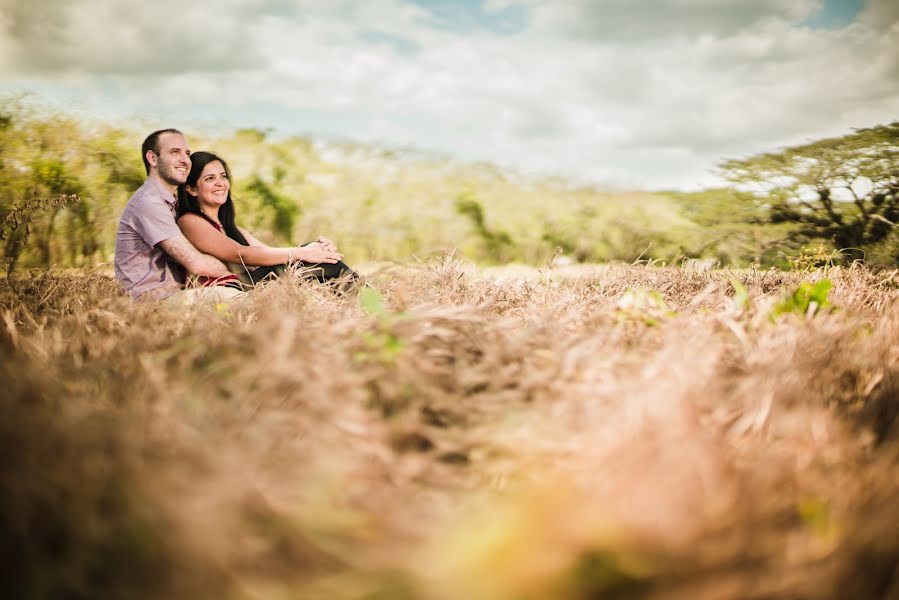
pixel 635 93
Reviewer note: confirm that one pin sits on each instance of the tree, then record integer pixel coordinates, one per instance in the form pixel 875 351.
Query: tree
pixel 495 241
pixel 843 189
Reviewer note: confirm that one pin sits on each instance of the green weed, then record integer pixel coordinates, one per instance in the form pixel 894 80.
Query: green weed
pixel 807 299
pixel 642 306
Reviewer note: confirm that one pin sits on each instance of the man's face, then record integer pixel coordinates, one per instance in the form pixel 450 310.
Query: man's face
pixel 173 160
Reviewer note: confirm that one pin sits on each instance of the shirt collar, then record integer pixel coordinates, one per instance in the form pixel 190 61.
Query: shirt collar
pixel 167 196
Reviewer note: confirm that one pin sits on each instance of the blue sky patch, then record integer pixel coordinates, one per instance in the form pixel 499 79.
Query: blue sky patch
pixel 833 14
pixel 401 45
pixel 470 15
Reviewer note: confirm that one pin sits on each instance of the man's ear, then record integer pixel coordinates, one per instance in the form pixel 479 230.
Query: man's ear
pixel 152 158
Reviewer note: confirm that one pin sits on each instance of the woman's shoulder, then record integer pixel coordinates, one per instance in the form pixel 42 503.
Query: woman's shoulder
pixel 188 217
pixel 194 219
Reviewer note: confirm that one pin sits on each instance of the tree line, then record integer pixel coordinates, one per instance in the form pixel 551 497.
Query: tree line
pixel 63 184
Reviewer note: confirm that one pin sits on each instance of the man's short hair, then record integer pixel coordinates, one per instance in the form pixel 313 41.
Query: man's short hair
pixel 152 143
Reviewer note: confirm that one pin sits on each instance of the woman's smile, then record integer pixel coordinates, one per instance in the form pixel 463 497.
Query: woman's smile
pixel 213 186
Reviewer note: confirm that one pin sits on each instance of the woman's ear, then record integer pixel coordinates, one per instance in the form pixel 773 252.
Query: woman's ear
pixel 192 190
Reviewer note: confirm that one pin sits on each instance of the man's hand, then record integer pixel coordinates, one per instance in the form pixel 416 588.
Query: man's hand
pixel 316 253
pixel 197 263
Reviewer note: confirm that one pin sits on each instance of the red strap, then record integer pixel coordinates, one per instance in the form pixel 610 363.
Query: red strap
pixel 214 281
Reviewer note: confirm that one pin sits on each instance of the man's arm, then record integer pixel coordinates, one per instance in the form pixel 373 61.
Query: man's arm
pixel 191 259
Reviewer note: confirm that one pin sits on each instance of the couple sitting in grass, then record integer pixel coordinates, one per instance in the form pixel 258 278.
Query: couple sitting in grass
pixel 182 221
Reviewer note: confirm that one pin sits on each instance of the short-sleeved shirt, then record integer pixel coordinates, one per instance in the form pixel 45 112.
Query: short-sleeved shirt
pixel 141 266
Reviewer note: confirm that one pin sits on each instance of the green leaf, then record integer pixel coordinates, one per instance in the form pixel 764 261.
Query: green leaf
pixel 372 301
pixel 816 514
pixel 819 293
pixel 807 299
pixel 641 305
pixel 741 295
pixel 223 309
pixel 393 346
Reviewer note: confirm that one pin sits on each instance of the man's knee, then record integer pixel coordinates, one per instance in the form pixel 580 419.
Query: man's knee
pixel 203 295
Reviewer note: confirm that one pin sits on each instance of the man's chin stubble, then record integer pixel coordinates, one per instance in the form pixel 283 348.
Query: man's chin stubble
pixel 172 181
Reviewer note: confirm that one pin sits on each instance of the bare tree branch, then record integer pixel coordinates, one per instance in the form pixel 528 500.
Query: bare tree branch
pixel 884 220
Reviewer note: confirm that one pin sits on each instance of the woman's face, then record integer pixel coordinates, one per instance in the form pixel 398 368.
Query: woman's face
pixel 212 186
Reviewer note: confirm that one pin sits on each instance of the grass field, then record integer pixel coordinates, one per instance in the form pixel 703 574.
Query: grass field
pixel 614 431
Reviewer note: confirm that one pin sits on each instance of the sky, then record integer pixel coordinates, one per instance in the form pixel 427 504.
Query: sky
pixel 622 93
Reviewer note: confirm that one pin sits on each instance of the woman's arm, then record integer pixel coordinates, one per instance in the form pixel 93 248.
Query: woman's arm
pixel 251 239
pixel 210 241
pixel 324 243
pixel 322 250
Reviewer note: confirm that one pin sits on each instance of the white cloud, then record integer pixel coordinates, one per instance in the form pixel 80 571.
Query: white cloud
pixel 625 20
pixel 126 36
pixel 595 89
pixel 881 15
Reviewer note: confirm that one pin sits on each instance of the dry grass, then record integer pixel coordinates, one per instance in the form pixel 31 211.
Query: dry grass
pixel 494 436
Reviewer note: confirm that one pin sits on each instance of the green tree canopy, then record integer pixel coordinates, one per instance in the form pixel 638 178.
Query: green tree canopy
pixel 843 189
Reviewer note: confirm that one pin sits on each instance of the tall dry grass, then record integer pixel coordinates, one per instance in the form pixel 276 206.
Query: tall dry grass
pixel 497 435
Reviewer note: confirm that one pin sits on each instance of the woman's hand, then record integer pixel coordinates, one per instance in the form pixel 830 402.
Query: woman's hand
pixel 327 244
pixel 316 253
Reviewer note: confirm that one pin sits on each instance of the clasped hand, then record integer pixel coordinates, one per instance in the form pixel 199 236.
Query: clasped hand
pixel 322 250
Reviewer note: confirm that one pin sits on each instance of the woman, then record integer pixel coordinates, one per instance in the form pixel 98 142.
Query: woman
pixel 206 218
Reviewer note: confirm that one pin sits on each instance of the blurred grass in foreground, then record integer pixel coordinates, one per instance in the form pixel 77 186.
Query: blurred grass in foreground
pixel 511 435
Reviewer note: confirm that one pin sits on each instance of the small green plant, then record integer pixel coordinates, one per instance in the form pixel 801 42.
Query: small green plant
pixel 223 309
pixel 741 296
pixel 817 515
pixel 372 302
pixel 381 345
pixel 642 306
pixel 812 258
pixel 808 299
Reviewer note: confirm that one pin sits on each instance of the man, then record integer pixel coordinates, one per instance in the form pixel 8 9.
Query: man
pixel 151 254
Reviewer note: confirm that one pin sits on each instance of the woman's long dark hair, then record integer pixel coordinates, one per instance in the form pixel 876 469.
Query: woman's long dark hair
pixel 191 204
